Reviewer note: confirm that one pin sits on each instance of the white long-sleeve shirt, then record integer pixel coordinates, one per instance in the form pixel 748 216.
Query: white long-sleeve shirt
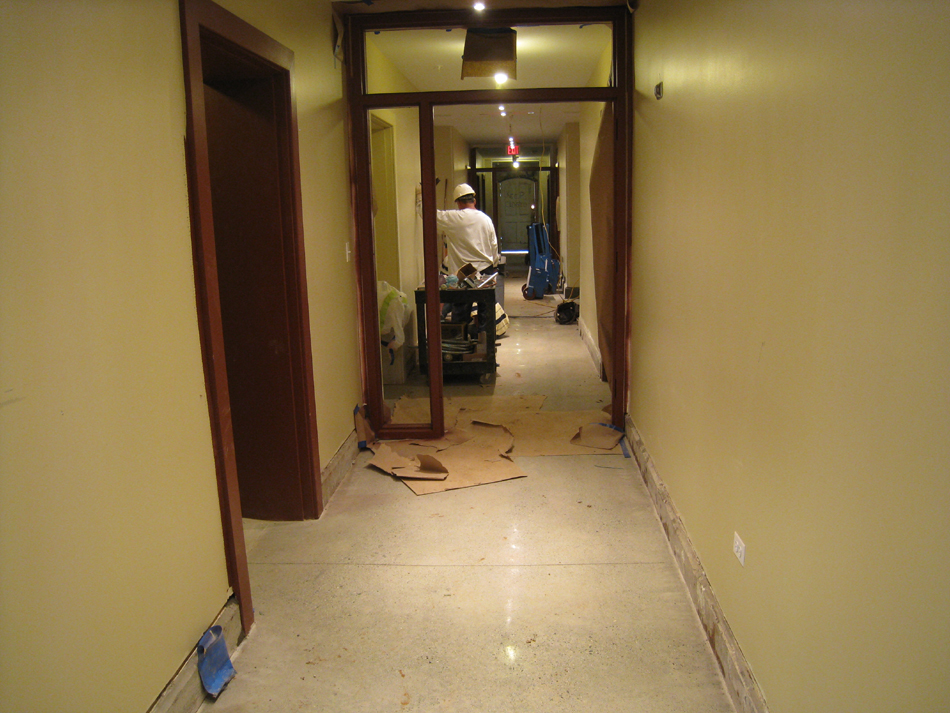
pixel 470 238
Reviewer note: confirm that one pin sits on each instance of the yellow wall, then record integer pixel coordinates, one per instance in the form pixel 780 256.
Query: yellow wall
pixel 111 559
pixel 791 330
pixel 568 217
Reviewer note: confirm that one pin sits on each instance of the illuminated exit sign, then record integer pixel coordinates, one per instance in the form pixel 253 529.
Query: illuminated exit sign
pixel 512 150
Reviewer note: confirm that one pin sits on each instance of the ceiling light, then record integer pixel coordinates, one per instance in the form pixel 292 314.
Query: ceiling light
pixel 500 78
pixel 479 6
pixel 504 113
pixel 489 52
pixel 501 108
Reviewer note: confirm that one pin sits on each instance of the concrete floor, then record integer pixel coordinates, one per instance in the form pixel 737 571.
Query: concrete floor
pixel 555 592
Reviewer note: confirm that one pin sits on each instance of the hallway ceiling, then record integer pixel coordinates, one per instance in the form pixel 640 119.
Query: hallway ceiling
pixel 548 56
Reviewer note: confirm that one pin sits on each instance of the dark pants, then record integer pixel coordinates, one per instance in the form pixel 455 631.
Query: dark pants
pixel 462 312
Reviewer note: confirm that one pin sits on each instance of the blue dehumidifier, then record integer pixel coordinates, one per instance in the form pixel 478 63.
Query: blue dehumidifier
pixel 544 271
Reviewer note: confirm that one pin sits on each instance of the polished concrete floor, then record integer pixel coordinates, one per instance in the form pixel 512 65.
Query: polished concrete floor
pixel 554 592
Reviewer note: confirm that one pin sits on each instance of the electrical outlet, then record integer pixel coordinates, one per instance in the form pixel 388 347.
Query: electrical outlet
pixel 738 548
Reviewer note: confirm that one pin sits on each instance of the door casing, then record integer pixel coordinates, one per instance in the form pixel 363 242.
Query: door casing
pixel 217 44
pixel 360 103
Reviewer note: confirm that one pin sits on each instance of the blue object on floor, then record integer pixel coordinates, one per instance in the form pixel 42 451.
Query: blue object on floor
pixel 544 272
pixel 214 664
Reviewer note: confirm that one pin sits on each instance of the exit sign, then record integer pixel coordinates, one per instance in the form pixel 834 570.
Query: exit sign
pixel 512 150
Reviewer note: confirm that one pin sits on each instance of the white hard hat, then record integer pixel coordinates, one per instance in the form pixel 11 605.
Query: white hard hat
pixel 462 190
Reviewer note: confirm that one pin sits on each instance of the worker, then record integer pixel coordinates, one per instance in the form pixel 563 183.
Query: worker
pixel 469 234
pixel 469 238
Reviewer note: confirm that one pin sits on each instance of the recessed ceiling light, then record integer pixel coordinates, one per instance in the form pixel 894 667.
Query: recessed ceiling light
pixel 501 108
pixel 501 78
pixel 479 6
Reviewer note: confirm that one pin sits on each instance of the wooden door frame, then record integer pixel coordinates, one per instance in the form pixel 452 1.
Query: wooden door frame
pixel 359 103
pixel 203 21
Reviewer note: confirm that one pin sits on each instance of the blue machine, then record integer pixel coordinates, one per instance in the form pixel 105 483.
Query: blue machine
pixel 544 272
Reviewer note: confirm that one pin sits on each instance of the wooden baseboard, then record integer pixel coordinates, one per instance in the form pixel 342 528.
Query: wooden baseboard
pixel 184 693
pixel 740 682
pixel 340 466
pixel 591 346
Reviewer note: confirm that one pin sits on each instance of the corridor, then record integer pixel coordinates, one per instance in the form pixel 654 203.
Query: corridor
pixel 554 592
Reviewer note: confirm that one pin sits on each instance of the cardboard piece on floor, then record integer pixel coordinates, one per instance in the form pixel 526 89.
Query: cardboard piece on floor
pixel 549 433
pixel 429 468
pixel 467 467
pixel 597 435
pixel 422 465
pixel 410 449
pixel 387 460
pixel 411 410
pixel 491 438
pixel 453 437
pixel 521 402
pixel 408 409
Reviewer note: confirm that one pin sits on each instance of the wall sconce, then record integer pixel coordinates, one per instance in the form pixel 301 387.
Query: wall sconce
pixel 490 51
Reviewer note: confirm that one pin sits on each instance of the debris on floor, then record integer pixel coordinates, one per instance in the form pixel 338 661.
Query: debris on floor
pixel 419 466
pixel 482 435
pixel 598 435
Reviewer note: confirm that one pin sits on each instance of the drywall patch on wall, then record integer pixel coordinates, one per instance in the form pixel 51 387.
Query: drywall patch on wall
pixel 740 682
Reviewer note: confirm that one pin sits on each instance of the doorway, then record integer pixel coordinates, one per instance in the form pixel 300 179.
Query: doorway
pixel 243 176
pixel 369 90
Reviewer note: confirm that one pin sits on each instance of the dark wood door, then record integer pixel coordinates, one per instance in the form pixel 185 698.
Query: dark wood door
pixel 246 191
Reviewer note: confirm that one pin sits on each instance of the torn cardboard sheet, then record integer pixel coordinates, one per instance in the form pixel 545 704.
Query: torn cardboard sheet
pixel 468 466
pixel 422 466
pixel 480 459
pixel 412 410
pixel 409 409
pixel 549 433
pixel 454 437
pixel 598 435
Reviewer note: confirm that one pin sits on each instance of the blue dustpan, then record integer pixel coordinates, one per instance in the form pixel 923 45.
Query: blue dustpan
pixel 214 664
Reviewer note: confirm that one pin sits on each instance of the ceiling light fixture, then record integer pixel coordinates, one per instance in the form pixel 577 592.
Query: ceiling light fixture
pixel 479 6
pixel 490 52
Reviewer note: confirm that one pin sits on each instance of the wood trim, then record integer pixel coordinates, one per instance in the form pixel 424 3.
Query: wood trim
pixel 621 94
pixel 491 96
pixel 430 244
pixel 437 19
pixel 194 13
pixel 364 246
pixel 623 214
pixel 300 335
pixel 204 21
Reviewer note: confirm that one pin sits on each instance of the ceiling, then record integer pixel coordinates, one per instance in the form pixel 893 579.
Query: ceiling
pixel 548 56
